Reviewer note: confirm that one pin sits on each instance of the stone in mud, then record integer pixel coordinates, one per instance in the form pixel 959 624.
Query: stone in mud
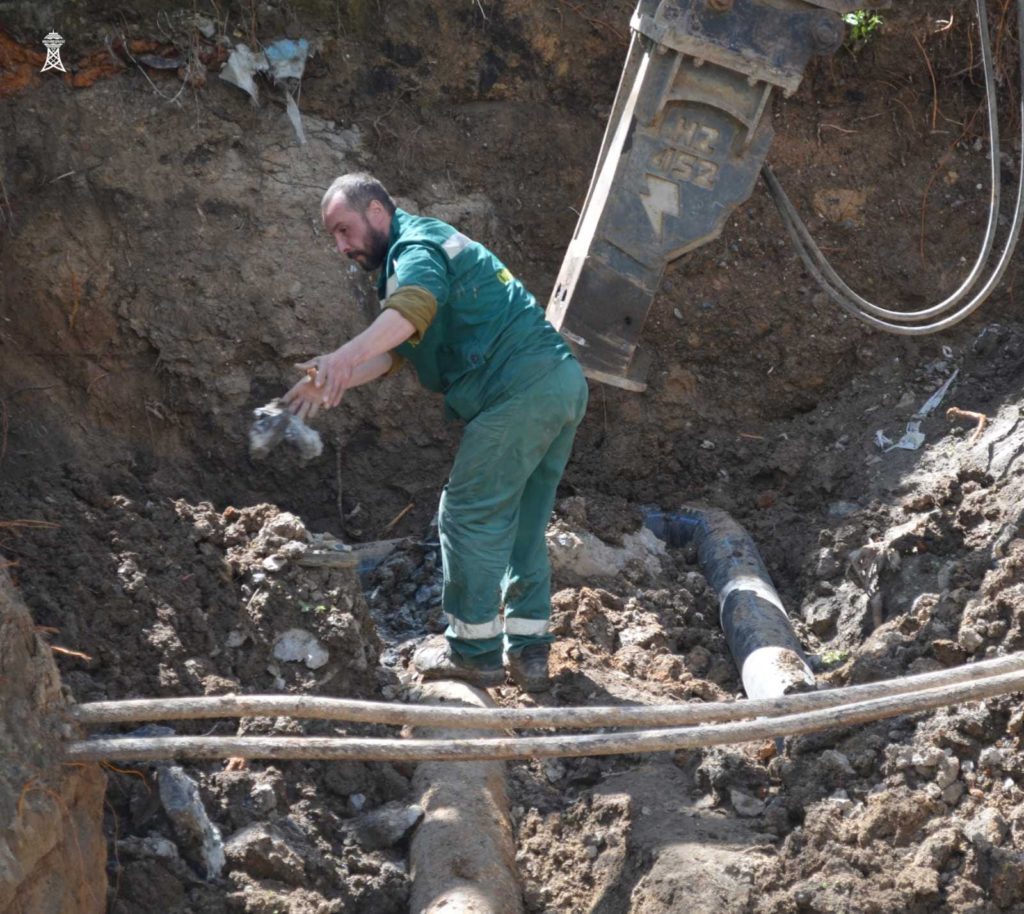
pixel 828 565
pixel 822 616
pixel 746 805
pixel 970 639
pixel 837 766
pixel 386 826
pixel 200 837
pixel 584 556
pixel 991 758
pixel 936 850
pixel 986 829
pixel 645 636
pixel 264 852
pixel 722 771
pixel 927 759
pixel 288 527
pixel 948 653
pixel 952 794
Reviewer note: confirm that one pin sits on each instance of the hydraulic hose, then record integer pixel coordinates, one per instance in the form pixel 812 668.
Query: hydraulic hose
pixel 309 747
pixel 881 318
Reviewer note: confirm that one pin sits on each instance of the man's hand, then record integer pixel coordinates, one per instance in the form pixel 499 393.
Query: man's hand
pixel 304 399
pixel 331 375
pixel 361 359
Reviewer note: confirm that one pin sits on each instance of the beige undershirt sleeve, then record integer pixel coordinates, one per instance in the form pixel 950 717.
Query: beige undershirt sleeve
pixel 418 307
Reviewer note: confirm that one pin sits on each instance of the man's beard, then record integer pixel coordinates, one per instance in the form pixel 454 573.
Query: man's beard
pixel 373 255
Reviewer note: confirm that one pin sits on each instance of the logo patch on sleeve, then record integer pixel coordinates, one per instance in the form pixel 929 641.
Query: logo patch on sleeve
pixel 504 276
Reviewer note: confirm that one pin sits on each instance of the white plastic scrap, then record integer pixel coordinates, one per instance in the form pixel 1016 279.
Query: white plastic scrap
pixel 274 423
pixel 282 60
pixel 914 437
pixel 242 65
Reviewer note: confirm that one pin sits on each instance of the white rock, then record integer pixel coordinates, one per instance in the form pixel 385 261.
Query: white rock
pixel 985 828
pixel 236 638
pixel 299 646
pixel 970 639
pixel 584 555
pixel 928 758
pixel 840 799
pixel 948 771
pixel 991 757
pixel 287 526
pixel 275 563
pixel 293 549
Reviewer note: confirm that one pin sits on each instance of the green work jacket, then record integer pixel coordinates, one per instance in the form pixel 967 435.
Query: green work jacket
pixel 489 339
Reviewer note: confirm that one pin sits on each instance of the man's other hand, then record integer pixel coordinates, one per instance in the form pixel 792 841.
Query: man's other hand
pixel 333 374
pixel 304 399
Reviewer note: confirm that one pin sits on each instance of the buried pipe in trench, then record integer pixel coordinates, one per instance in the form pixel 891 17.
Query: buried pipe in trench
pixel 462 858
pixel 763 644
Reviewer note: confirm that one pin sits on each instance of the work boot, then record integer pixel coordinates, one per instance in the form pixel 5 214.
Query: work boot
pixel 436 660
pixel 529 668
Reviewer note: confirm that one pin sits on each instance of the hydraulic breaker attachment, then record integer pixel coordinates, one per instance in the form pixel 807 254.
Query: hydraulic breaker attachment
pixel 685 141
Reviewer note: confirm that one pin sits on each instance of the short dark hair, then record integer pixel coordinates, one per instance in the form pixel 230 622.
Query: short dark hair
pixel 359 190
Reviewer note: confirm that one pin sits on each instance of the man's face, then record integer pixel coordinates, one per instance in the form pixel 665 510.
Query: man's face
pixel 362 237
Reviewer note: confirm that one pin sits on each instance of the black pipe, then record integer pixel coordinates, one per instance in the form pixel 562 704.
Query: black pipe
pixel 763 644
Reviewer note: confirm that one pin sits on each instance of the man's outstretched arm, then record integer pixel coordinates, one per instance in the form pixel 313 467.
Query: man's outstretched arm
pixel 361 359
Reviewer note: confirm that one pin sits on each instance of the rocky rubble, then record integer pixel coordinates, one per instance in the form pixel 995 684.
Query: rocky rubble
pixel 216 602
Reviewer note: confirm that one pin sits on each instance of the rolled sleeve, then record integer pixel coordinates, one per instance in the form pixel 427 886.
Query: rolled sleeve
pixel 417 305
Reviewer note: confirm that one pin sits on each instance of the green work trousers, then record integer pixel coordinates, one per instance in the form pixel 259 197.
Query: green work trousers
pixel 495 510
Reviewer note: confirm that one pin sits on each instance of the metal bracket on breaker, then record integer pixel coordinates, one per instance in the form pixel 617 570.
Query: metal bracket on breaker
pixel 684 144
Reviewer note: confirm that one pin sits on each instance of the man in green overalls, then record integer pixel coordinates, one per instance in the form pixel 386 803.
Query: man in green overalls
pixel 475 334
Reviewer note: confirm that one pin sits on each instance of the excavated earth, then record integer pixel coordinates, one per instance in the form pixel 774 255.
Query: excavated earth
pixel 161 269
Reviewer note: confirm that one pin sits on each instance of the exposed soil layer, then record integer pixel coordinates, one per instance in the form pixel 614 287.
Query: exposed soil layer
pixel 161 269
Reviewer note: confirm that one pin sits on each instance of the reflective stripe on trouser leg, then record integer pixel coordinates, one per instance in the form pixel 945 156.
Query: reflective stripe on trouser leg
pixel 479 515
pixel 527 581
pixel 471 632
